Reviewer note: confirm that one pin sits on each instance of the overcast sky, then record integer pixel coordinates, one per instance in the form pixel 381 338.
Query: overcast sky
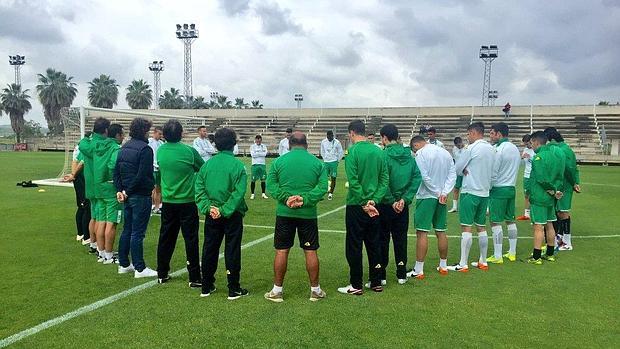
pixel 337 53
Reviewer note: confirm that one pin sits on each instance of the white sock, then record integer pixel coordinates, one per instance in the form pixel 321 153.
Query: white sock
pixel 152 207
pixel 101 253
pixel 566 239
pixel 276 289
pixel 93 245
pixel 455 204
pixel 313 289
pixel 419 267
pixel 483 242
pixel 498 237
pixel 108 255
pixel 443 263
pixel 160 206
pixel 527 212
pixel 512 239
pixel 465 246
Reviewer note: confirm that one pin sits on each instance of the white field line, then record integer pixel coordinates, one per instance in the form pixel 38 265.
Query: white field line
pixel 111 299
pixel 602 185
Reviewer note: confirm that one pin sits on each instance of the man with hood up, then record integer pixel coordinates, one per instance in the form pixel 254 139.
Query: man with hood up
pixel 110 211
pixel 404 180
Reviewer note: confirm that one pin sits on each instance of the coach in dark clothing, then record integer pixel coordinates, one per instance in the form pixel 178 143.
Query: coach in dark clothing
pixel 133 178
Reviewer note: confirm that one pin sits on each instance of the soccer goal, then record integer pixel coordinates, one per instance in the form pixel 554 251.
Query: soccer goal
pixel 77 121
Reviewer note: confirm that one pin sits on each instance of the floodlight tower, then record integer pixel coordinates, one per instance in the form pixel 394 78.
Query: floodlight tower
pixel 298 98
pixel 156 67
pixel 488 54
pixel 188 34
pixel 492 97
pixel 17 61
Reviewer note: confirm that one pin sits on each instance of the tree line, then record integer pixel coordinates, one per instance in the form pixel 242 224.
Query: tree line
pixel 56 90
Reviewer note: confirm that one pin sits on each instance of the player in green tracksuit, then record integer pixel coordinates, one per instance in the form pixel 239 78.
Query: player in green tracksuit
pixel 546 183
pixel 220 188
pixel 404 181
pixel 109 210
pixel 571 183
pixel 87 151
pixel 297 180
pixel 367 174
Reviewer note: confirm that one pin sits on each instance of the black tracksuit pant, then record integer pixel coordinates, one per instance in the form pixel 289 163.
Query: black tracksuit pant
pixel 362 230
pixel 215 231
pixel 394 225
pixel 174 217
pixel 82 215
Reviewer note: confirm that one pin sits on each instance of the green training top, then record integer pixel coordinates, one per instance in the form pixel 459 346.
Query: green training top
pixel 222 182
pixel 87 150
pixel 104 161
pixel 571 170
pixel 404 175
pixel 297 173
pixel 547 174
pixel 178 164
pixel 367 173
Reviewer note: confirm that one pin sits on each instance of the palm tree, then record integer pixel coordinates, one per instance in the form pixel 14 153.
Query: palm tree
pixel 212 104
pixel 171 99
pixel 56 90
pixel 223 102
pixel 139 95
pixel 256 104
pixel 240 104
pixel 199 103
pixel 15 102
pixel 103 92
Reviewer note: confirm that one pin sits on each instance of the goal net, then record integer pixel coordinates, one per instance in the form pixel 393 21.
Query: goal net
pixel 77 121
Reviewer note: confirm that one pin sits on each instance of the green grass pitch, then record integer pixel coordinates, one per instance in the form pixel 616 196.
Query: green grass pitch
pixel 46 274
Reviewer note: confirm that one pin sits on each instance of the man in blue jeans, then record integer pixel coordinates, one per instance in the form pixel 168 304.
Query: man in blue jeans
pixel 133 178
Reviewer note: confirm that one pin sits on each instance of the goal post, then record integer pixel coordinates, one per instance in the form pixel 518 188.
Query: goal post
pixel 77 121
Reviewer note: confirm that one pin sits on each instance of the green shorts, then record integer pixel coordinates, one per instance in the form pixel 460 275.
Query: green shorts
pixel 542 214
pixel 110 210
pixel 157 178
pixel 259 172
pixel 502 210
pixel 332 169
pixel 473 210
pixel 93 208
pixel 429 214
pixel 564 204
pixel 459 182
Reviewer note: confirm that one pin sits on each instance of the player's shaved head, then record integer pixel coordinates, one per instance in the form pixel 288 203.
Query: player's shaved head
pixel 298 139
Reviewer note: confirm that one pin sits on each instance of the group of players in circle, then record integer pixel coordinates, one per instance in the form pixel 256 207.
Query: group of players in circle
pixel 147 175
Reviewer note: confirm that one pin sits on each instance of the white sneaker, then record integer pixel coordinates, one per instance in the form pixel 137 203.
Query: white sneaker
pixel 126 270
pixel 252 197
pixel 452 210
pixel 413 274
pixel 265 196
pixel 330 196
pixel 350 290
pixel 79 237
pixel 566 247
pixel 402 281
pixel 100 259
pixel 383 283
pixel 85 242
pixel 145 273
pixel 112 260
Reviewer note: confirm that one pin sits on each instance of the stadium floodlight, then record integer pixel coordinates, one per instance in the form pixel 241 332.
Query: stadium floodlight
pixel 493 96
pixel 214 95
pixel 298 97
pixel 17 61
pixel 156 67
pixel 488 53
pixel 188 34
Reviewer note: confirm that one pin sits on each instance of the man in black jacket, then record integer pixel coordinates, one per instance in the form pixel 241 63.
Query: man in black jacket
pixel 133 179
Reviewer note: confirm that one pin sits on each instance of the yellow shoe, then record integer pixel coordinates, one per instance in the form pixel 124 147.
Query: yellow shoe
pixel 511 257
pixel 494 260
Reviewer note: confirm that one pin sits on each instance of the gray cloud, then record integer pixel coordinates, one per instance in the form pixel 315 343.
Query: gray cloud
pixel 235 7
pixel 28 21
pixel 276 20
pixel 349 55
